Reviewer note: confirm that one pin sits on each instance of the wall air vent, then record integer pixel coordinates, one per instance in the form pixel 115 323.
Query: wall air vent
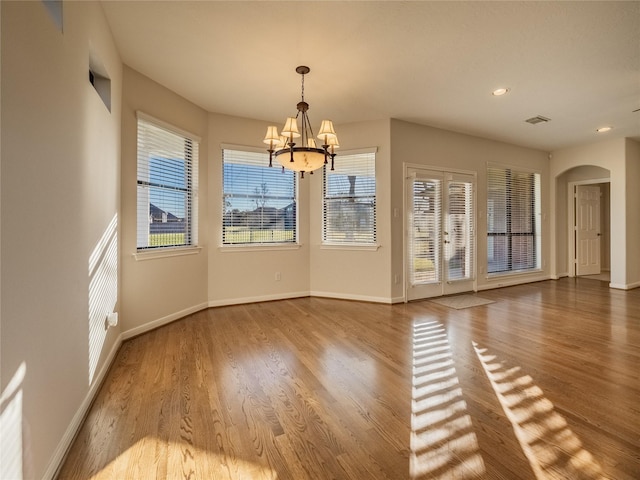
pixel 537 119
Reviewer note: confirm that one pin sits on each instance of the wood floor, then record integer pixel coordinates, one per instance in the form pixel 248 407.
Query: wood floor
pixel 543 383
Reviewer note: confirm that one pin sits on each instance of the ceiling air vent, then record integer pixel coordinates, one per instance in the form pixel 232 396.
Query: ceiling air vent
pixel 537 119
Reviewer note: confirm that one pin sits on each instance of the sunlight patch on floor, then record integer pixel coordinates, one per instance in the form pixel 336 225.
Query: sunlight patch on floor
pixel 151 457
pixel 443 444
pixel 553 450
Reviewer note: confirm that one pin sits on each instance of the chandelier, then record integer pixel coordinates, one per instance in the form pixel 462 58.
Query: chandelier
pixel 304 156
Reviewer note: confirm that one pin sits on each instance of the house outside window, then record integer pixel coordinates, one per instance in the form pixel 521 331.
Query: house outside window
pixel 259 202
pixel 513 220
pixel 349 200
pixel 167 185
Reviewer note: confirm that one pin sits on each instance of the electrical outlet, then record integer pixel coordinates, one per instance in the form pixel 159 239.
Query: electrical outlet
pixel 112 319
pixel 278 276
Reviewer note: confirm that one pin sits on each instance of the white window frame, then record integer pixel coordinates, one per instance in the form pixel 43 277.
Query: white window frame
pixel 262 158
pixel 190 246
pixel 344 244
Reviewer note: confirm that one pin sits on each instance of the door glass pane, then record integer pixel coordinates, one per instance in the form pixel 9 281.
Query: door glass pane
pixel 459 231
pixel 426 234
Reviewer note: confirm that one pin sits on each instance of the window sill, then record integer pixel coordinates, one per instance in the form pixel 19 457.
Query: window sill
pixel 367 247
pixel 258 247
pixel 165 252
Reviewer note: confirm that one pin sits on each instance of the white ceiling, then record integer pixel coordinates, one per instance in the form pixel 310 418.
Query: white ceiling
pixel 433 63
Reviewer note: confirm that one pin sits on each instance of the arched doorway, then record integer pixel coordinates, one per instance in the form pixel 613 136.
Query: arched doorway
pixel 588 221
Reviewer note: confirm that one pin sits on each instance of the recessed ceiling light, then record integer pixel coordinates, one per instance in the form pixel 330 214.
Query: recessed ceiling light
pixel 603 129
pixel 499 91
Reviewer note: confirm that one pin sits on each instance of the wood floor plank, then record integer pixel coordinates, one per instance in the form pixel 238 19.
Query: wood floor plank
pixel 541 384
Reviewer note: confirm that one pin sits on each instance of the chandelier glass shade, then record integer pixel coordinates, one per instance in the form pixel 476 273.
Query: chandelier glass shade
pixel 296 149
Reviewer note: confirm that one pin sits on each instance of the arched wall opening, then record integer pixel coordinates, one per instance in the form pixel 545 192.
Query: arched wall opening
pixel 594 162
pixel 571 247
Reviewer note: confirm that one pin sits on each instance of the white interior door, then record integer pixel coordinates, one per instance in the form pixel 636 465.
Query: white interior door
pixel 440 233
pixel 588 232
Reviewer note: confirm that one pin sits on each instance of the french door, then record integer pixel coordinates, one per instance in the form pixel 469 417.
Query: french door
pixel 440 234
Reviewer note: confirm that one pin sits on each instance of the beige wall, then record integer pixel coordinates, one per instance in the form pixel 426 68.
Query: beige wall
pixel 168 287
pixel 632 220
pixel 245 274
pixel 355 273
pixel 60 193
pixel 241 274
pixel 441 149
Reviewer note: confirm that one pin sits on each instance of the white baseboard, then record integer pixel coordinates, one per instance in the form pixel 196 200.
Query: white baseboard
pixel 76 422
pixel 512 281
pixel 360 298
pixel 558 276
pixel 261 298
pixel 162 321
pixel 624 286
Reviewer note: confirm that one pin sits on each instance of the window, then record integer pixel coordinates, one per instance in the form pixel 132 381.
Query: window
pixel 167 185
pixel 259 202
pixel 100 81
pixel 349 200
pixel 513 220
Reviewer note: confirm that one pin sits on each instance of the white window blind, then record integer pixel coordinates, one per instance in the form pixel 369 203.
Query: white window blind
pixel 426 232
pixel 259 202
pixel 167 186
pixel 459 230
pixel 349 200
pixel 513 220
